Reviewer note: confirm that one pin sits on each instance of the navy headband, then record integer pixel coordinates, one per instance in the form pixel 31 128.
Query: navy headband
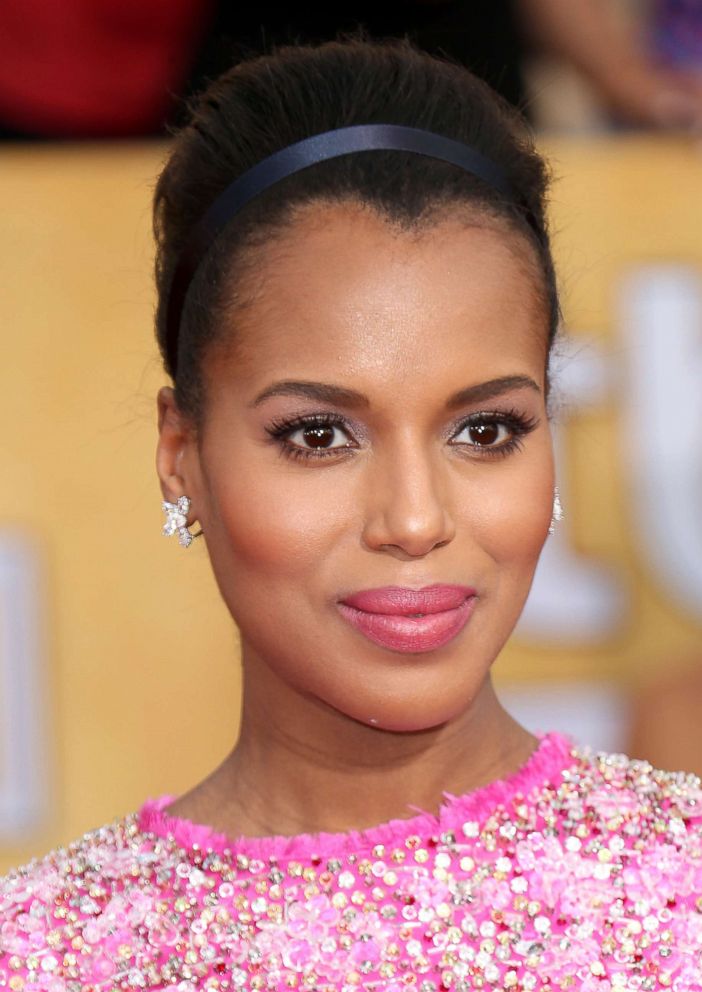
pixel 300 155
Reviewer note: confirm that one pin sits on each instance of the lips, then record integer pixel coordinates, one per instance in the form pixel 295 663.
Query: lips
pixel 410 620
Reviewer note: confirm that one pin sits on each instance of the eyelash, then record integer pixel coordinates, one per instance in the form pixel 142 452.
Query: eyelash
pixel 519 424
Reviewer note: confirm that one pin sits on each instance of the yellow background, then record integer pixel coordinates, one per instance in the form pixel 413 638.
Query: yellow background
pixel 141 655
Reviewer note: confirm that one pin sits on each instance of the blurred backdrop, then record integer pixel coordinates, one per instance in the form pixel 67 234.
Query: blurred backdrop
pixel 119 672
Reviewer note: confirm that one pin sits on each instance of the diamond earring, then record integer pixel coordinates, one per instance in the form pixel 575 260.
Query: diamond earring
pixel 557 510
pixel 177 520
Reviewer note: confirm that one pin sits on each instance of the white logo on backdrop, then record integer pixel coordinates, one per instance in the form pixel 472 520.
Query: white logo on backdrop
pixel 574 599
pixel 654 378
pixel 660 316
pixel 24 782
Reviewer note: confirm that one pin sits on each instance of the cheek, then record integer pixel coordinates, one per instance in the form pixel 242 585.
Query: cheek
pixel 285 523
pixel 512 524
pixel 276 522
pixel 281 516
pixel 284 538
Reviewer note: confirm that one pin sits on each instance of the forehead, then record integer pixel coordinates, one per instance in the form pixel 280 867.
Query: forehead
pixel 343 293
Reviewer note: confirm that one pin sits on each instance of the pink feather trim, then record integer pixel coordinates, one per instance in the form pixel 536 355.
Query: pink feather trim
pixel 544 766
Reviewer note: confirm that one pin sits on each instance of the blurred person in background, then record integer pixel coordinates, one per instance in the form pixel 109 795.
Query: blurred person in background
pixel 83 69
pixel 642 61
pixel 666 725
pixel 119 68
pixel 115 68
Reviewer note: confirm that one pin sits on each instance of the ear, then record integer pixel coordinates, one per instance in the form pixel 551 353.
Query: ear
pixel 176 448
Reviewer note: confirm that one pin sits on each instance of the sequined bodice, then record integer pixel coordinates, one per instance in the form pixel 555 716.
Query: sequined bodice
pixel 582 871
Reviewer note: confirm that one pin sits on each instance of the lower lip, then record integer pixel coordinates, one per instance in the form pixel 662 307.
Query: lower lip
pixel 410 634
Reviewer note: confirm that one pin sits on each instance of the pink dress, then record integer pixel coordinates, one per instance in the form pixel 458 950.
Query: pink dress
pixel 581 871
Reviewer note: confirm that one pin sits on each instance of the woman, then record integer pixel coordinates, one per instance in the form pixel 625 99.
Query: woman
pixel 356 305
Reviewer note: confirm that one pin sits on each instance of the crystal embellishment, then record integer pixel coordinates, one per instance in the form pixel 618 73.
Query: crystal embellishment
pixel 177 520
pixel 580 872
pixel 557 510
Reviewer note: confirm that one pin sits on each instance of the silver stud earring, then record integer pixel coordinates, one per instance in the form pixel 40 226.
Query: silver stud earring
pixel 177 520
pixel 557 510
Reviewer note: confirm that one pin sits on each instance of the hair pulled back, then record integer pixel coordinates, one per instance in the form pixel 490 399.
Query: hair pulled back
pixel 265 103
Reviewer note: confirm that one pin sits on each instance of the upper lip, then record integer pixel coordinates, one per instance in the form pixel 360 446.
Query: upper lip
pixel 401 601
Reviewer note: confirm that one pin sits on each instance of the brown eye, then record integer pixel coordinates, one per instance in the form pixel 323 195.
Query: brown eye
pixel 495 433
pixel 319 437
pixel 484 434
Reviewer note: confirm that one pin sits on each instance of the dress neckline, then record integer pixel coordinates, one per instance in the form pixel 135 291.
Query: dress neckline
pixel 555 752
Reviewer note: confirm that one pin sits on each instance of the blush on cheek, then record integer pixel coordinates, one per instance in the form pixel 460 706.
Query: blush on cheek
pixel 278 528
pixel 514 522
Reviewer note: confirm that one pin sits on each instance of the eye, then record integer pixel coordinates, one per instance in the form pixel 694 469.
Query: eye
pixel 499 432
pixel 320 436
pixel 486 433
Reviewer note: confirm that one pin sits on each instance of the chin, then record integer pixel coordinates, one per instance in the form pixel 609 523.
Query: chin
pixel 407 716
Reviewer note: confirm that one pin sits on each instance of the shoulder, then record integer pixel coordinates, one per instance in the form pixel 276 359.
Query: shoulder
pixel 616 789
pixel 85 897
pixel 612 860
pixel 620 837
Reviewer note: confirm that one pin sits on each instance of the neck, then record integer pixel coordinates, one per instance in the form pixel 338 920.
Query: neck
pixel 302 767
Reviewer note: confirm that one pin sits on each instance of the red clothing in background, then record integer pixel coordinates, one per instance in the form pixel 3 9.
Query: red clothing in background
pixel 89 68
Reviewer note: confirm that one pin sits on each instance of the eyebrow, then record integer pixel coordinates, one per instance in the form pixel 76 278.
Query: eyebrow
pixel 489 390
pixel 341 396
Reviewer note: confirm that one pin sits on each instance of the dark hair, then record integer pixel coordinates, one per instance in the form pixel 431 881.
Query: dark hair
pixel 265 103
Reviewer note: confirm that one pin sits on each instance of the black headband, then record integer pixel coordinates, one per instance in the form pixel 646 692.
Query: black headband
pixel 300 155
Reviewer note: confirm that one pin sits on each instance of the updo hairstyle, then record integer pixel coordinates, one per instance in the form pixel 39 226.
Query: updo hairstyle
pixel 266 103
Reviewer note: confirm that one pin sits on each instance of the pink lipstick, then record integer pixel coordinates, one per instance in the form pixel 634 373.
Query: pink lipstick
pixel 410 620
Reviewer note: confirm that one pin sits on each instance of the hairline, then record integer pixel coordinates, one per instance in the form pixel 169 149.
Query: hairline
pixel 244 258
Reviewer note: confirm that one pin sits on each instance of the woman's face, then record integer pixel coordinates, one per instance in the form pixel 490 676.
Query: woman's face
pixel 377 419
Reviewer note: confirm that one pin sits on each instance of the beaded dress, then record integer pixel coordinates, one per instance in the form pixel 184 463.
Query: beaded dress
pixel 581 871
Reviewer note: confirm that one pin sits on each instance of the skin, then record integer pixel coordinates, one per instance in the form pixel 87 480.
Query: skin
pixel 625 74
pixel 337 732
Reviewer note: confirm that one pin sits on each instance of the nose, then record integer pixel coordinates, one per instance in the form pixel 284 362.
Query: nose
pixel 408 512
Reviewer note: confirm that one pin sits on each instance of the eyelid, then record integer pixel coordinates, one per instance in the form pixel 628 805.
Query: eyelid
pixel 520 420
pixel 349 440
pixel 280 431
pixel 288 423
pixel 297 419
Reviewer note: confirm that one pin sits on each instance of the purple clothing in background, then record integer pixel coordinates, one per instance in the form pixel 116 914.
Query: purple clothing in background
pixel 676 28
